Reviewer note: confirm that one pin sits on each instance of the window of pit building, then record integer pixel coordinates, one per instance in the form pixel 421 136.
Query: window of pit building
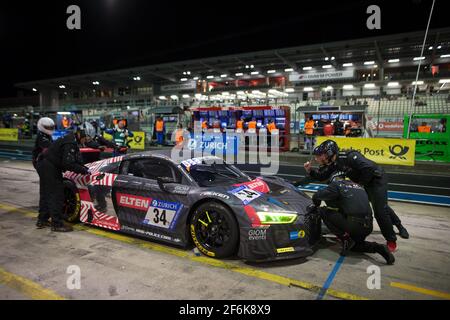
pixel 144 90
pixel 434 125
pixel 124 91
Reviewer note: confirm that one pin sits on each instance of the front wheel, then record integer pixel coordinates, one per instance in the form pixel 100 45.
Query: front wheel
pixel 72 203
pixel 214 230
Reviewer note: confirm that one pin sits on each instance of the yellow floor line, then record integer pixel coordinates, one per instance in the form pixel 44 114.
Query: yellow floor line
pixel 428 292
pixel 27 287
pixel 251 272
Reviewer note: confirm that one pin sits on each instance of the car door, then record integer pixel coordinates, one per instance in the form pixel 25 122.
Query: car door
pixel 140 202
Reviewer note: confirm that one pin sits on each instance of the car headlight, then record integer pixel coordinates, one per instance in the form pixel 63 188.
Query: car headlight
pixel 276 217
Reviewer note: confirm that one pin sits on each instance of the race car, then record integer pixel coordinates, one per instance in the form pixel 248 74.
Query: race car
pixel 202 200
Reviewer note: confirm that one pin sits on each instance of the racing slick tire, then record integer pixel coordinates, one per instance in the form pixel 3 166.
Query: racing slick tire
pixel 214 230
pixel 72 203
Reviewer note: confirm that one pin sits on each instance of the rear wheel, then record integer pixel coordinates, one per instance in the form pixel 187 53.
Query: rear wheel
pixel 72 203
pixel 214 230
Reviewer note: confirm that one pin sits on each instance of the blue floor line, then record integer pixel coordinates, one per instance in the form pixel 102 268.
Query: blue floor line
pixel 330 278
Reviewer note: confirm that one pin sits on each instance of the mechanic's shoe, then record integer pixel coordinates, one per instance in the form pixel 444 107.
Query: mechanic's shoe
pixel 40 224
pixel 64 227
pixel 392 246
pixel 402 232
pixel 347 245
pixel 385 252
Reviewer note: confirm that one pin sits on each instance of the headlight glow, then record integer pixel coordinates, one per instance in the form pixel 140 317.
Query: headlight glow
pixel 276 217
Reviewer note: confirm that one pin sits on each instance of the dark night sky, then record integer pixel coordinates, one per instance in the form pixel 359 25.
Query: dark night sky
pixel 35 43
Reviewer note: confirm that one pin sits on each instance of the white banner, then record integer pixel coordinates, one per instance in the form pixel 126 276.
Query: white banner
pixel 189 85
pixel 317 76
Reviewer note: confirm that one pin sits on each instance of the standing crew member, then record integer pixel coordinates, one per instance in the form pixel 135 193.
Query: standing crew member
pixel 309 132
pixel 63 155
pixel 120 134
pixel 348 215
pixel 179 135
pixel 424 128
pixel 160 130
pixel 252 126
pixel 271 126
pixel 365 172
pixel 240 125
pixel 204 125
pixel 44 139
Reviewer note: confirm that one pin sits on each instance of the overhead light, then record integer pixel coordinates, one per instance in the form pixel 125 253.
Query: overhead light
pixel 136 78
pixel 328 88
pixel 62 86
pixel 327 66
pixel 174 97
pixel 255 72
pixel 439 47
pixel 393 84
pixel 185 96
pixel 288 69
pixel 419 83
pixel 445 56
pixel 332 58
pixel 247 66
pixel 239 74
pixel 209 77
pixel 59 112
pixel 349 64
pixel 418 58
pixel 307 68
pixel 95 83
pixel 34 89
pixel 368 63
pixel 128 107
pixel 252 66
pixel 393 60
pixel 430 48
pixel 225 93
pixel 183 79
pixel 223 75
pixel 347 86
pixel 289 90
pixel 326 58
pixel 162 98
pixel 188 72
pixel 271 71
pixel 308 89
pixel 369 85
pixel 195 78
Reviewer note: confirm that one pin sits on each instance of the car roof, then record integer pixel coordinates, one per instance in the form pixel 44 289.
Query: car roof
pixel 161 154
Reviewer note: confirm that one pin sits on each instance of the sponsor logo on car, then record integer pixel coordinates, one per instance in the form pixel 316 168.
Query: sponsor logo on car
pixel 245 194
pixel 257 234
pixel 214 194
pixel 151 234
pixel 284 250
pixel 162 214
pixel 294 235
pixel 134 202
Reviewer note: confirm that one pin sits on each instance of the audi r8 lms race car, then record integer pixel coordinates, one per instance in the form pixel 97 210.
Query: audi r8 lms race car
pixel 203 200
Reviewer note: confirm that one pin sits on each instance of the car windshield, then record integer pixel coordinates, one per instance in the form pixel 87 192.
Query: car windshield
pixel 215 174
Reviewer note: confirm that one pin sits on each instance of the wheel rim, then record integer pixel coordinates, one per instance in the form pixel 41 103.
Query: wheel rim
pixel 70 203
pixel 213 230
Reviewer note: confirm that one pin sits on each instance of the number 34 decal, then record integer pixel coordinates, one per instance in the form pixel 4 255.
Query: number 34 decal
pixel 161 214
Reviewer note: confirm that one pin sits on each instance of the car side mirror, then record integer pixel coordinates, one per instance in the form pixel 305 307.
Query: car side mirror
pixel 163 180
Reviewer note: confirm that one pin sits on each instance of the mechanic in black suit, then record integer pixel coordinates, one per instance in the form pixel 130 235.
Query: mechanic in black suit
pixel 365 172
pixel 62 155
pixel 348 215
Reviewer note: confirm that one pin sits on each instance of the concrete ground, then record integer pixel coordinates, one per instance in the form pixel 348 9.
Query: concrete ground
pixel 35 264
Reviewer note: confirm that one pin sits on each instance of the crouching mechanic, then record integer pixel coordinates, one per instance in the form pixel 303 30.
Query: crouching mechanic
pixel 366 173
pixel 348 215
pixel 62 155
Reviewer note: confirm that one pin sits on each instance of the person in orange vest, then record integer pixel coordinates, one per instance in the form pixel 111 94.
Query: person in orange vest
pixel 160 130
pixel 240 125
pixel 252 125
pixel 424 128
pixel 309 132
pixel 179 135
pixel 271 126
pixel 65 122
pixel 204 124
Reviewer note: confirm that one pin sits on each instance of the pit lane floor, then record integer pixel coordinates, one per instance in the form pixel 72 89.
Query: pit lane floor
pixel 34 263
